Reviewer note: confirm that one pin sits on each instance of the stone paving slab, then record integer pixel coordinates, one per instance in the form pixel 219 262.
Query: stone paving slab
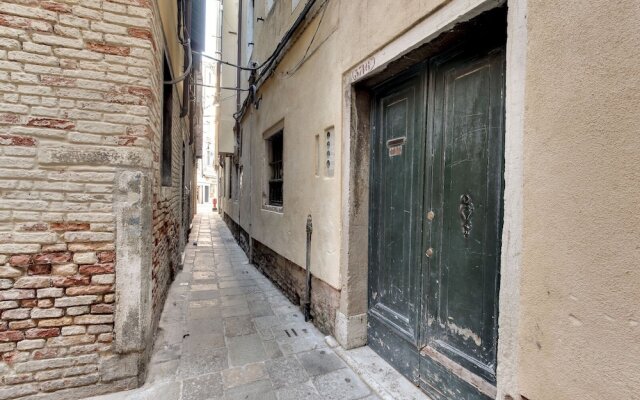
pixel 227 333
pixel 320 362
pixel 342 384
pixel 388 383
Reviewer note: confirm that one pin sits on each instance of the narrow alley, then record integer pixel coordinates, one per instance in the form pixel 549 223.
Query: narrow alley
pixel 319 200
pixel 227 332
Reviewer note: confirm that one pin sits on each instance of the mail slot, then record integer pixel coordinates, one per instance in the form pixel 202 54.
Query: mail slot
pixel 395 146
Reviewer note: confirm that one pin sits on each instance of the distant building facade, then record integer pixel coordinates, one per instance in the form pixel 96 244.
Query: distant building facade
pixel 227 105
pixel 99 133
pixel 208 165
pixel 469 168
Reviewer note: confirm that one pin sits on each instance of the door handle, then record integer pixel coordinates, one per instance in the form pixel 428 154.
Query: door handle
pixel 429 252
pixel 466 210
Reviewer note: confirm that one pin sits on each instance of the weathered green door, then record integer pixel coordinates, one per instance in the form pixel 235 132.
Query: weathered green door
pixel 395 292
pixel 434 303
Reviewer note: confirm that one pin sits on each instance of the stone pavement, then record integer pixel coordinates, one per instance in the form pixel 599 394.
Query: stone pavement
pixel 228 333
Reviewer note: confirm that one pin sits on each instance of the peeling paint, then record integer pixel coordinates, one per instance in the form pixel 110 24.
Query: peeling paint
pixel 465 333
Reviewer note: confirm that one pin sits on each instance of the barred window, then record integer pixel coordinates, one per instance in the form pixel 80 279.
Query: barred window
pixel 275 146
pixel 167 122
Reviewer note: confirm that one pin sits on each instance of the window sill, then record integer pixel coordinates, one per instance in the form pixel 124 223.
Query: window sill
pixel 275 209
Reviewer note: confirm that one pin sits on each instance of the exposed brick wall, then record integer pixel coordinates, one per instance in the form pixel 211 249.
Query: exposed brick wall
pixel 79 101
pixel 167 213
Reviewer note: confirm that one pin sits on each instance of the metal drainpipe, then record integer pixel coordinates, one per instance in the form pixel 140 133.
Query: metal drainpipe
pixel 238 131
pixel 239 58
pixel 218 79
pixel 250 199
pixel 186 85
pixel 307 304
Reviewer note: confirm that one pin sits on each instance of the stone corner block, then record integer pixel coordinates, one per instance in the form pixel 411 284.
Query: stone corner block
pixel 118 366
pixel 351 332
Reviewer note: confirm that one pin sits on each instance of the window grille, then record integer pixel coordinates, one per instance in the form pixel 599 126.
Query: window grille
pixel 276 178
pixel 167 122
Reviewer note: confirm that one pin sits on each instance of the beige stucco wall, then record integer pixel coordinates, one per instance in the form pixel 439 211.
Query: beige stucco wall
pixel 573 316
pixel 306 114
pixel 227 99
pixel 276 22
pixel 309 100
pixel 580 326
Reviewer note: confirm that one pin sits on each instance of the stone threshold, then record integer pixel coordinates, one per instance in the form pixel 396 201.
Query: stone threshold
pixel 378 374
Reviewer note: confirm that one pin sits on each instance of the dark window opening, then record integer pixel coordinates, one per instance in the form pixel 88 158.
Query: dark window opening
pixel 236 180
pixel 167 122
pixel 276 178
pixel 230 179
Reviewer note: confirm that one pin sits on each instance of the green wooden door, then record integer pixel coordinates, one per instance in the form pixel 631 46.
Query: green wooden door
pixel 395 272
pixel 436 225
pixel 463 227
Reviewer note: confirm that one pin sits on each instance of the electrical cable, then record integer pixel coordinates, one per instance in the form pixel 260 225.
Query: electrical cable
pixel 226 98
pixel 287 37
pixel 269 62
pixel 185 44
pixel 223 62
pixel 186 71
pixel 223 87
pixel 257 67
pixel 295 68
pixel 279 47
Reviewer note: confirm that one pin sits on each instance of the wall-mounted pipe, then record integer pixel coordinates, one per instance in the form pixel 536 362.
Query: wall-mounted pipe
pixel 188 59
pixel 307 303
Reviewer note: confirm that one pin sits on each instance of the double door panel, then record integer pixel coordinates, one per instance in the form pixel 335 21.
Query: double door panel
pixel 436 216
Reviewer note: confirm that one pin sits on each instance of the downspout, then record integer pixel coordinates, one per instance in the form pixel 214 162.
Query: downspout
pixel 238 105
pixel 239 59
pixel 307 302
pixel 218 78
pixel 249 142
pixel 250 199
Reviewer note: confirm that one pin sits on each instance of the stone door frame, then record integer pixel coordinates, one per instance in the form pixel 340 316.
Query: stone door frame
pixel 351 320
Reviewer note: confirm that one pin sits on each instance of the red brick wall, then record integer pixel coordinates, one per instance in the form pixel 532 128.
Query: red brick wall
pixel 167 203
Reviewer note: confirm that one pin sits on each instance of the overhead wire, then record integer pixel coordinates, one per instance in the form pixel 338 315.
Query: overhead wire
pixel 187 71
pixel 304 58
pixel 277 50
pixel 285 39
pixel 224 62
pixel 222 87
pixel 269 63
pixel 253 68
pixel 226 98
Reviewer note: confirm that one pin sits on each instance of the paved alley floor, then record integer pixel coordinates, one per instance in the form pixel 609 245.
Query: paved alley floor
pixel 228 333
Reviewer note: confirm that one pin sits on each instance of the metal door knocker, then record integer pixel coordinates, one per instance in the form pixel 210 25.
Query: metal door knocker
pixel 466 209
